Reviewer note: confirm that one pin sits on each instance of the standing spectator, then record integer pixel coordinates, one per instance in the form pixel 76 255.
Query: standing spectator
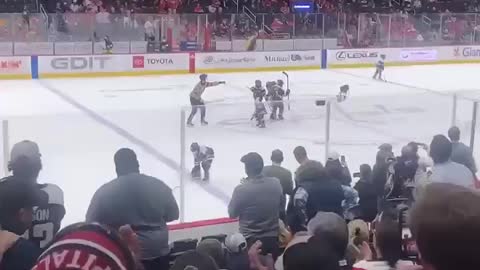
pixel 17 200
pixel 380 169
pixel 366 194
pixel 141 201
pixel 149 29
pixel 444 223
pixel 338 171
pixel 444 170
pixel 25 165
pixel 316 192
pixel 460 152
pixel 285 176
pixel 388 247
pixel 300 154
pixel 256 203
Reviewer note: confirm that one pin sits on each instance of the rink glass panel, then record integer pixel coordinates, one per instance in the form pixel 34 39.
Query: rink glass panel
pixel 232 134
pixel 77 150
pixel 360 124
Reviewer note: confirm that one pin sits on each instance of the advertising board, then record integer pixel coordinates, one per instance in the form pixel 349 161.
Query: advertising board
pixel 257 60
pixel 160 62
pixel 15 67
pixel 418 55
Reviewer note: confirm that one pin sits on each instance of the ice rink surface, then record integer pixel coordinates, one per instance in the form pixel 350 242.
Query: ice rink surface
pixel 80 123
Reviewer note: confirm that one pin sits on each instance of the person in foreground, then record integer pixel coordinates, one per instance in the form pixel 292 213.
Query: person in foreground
pixel 256 202
pixel 141 201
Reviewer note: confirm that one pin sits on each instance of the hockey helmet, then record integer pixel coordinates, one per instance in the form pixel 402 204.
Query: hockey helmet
pixel 258 83
pixel 280 82
pixel 194 147
pixel 383 56
pixel 203 77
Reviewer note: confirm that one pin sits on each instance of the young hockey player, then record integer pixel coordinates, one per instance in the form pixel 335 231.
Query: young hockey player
pixel 260 110
pixel 203 156
pixel 108 44
pixel 275 96
pixel 196 99
pixel 380 67
pixel 342 95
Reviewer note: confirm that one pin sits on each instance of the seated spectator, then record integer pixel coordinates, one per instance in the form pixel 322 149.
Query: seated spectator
pixel 141 201
pixel 88 246
pixel 337 170
pixel 214 249
pixel 460 152
pixel 388 247
pixel 331 228
pixel 25 165
pixel 198 9
pixel 315 192
pixel 258 214
pixel 444 170
pixel 237 257
pixel 366 193
pixel 444 223
pixel 194 260
pixel 285 176
pixel 17 200
pixel 314 254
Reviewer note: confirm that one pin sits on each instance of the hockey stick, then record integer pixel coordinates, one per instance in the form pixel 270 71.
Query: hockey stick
pixel 288 87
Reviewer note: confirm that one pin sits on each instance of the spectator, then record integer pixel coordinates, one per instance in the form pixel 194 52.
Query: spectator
pixel 198 9
pixel 301 156
pixel 285 9
pixel 366 194
pixel 237 258
pixel 444 170
pixel 285 176
pixel 17 200
pixel 313 254
pixel 388 247
pixel 141 201
pixel 338 171
pixel 214 249
pixel 87 246
pixel 194 260
pixel 460 152
pixel 380 169
pixel 25 165
pixel 405 169
pixel 331 228
pixel 445 224
pixel 316 192
pixel 358 232
pixel 258 214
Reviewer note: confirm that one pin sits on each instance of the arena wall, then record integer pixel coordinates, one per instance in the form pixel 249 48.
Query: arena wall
pixel 76 64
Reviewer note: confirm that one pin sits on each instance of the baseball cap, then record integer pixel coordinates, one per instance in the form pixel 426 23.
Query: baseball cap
pixel 25 148
pixel 252 159
pixel 333 155
pixel 236 243
pixel 15 195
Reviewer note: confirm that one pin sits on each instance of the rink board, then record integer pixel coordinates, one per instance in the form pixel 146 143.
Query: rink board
pixel 110 65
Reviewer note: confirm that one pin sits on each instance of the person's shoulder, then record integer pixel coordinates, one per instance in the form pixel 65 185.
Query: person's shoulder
pixel 152 180
pixel 54 192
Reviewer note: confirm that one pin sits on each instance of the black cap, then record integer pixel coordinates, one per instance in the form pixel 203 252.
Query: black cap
pixel 386 147
pixel 16 194
pixel 277 156
pixel 252 160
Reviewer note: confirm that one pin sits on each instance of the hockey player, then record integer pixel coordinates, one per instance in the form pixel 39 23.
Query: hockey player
pixel 342 95
pixel 196 99
pixel 108 44
pixel 260 110
pixel 203 156
pixel 275 96
pixel 380 67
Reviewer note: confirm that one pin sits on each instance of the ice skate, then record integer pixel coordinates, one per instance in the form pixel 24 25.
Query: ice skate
pixel 280 117
pixel 190 124
pixel 204 123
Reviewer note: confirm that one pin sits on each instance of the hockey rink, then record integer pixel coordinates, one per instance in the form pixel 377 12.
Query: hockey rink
pixel 80 123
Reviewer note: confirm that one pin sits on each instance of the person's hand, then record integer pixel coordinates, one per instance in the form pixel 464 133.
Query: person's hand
pixel 366 252
pixel 7 240
pixel 256 260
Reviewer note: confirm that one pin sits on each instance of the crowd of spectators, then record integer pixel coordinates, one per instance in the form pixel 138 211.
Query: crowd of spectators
pixel 418 210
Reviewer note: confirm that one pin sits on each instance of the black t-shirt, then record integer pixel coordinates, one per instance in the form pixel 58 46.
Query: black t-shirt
pixel 21 256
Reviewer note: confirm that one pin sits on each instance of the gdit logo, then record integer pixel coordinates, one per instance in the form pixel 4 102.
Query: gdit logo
pixel 79 63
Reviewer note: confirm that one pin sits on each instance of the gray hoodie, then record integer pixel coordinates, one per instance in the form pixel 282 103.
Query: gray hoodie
pixel 256 203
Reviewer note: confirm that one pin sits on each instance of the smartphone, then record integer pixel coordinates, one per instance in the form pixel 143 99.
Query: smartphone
pixel 356 175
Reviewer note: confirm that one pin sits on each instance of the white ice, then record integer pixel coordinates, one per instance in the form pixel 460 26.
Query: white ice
pixel 80 123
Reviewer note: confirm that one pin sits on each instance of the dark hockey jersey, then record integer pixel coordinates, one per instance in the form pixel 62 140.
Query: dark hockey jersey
pixel 380 65
pixel 205 153
pixel 276 92
pixel 47 219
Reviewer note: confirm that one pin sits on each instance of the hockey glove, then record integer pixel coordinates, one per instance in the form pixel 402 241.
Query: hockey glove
pixel 222 82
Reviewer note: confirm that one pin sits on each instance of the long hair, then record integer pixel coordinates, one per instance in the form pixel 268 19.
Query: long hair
pixel 389 239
